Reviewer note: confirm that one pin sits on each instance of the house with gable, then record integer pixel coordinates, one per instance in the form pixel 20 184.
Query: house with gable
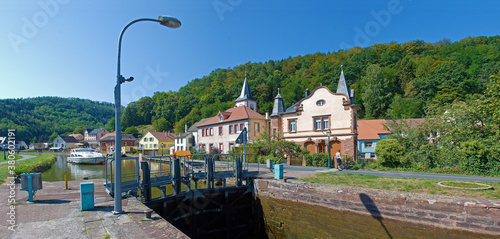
pixel 92 136
pixel 107 143
pixel 317 115
pixel 369 133
pixel 221 131
pixel 64 142
pixel 372 131
pixel 156 143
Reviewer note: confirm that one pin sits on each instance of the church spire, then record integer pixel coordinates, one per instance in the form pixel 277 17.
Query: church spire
pixel 245 92
pixel 342 86
pixel 246 97
pixel 279 104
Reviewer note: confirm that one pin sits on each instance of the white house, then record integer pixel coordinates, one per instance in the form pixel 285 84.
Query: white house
pixel 221 131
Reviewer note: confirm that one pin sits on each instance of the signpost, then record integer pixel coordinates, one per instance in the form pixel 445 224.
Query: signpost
pixel 242 139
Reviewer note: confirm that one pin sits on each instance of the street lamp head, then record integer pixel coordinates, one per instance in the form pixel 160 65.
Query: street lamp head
pixel 328 133
pixel 168 21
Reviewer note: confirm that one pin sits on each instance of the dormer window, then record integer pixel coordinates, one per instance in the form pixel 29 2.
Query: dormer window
pixel 221 118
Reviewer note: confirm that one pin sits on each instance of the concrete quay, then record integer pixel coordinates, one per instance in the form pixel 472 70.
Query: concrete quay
pixel 55 213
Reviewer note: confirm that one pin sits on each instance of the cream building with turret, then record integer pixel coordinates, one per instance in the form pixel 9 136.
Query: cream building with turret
pixel 322 112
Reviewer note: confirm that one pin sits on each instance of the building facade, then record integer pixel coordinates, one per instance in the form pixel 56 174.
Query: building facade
pixel 220 132
pixel 107 143
pixel 372 131
pixel 369 133
pixel 156 143
pixel 64 142
pixel 319 116
pixel 92 136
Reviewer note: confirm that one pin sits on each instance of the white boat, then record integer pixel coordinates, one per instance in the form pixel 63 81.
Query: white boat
pixel 85 156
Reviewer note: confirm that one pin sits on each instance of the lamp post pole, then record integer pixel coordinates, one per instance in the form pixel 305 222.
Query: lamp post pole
pixel 165 21
pixel 329 149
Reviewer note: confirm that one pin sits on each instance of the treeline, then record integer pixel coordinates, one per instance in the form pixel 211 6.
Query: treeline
pixel 461 137
pixel 35 119
pixel 394 80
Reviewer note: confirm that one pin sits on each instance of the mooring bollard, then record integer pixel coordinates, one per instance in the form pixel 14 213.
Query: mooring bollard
pixel 148 212
pixel 66 181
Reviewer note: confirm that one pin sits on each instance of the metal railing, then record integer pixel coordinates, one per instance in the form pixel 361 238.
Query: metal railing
pixel 159 171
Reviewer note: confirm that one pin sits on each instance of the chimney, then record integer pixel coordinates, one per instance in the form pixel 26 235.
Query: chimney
pixel 185 128
pixel 267 115
pixel 168 133
pixel 352 93
pixel 307 92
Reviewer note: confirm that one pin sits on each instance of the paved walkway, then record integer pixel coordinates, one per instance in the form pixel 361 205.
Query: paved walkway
pixel 301 171
pixel 55 213
pixel 21 159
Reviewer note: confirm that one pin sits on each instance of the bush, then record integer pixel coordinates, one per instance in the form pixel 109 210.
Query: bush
pixel 317 160
pixel 263 159
pixel 389 152
pixel 374 165
pixel 35 165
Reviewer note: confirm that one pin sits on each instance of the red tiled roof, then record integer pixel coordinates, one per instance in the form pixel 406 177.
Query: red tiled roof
pixel 163 137
pixel 369 129
pixel 236 113
pixel 111 137
pixel 411 122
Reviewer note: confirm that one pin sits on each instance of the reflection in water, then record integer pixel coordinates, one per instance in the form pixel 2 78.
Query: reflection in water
pixel 74 171
pixel 80 171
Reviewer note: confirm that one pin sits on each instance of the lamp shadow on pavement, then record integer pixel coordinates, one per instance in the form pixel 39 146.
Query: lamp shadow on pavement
pixel 372 208
pixel 52 201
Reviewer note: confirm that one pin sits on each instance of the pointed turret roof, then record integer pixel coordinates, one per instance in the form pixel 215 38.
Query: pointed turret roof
pixel 245 92
pixel 279 104
pixel 342 87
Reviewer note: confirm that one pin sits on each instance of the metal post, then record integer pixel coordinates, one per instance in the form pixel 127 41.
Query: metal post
pixel 118 135
pixel 239 172
pixel 210 173
pixel 30 188
pixel 118 140
pixel 244 152
pixel 66 181
pixel 177 175
pixel 329 149
pixel 146 182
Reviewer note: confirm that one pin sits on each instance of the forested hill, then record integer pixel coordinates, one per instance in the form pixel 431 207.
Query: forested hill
pixel 394 80
pixel 38 118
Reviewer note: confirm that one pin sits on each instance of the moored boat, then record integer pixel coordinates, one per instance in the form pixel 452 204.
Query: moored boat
pixel 85 156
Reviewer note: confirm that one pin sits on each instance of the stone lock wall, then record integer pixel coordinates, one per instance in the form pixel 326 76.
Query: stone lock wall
pixel 294 208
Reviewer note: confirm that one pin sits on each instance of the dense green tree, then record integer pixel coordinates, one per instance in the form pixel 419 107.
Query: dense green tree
pixel 160 124
pixel 130 116
pixel 79 130
pixel 39 117
pixel 110 126
pixel 53 136
pixel 132 130
pixel 377 95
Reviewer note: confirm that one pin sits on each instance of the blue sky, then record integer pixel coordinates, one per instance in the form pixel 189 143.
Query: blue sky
pixel 68 48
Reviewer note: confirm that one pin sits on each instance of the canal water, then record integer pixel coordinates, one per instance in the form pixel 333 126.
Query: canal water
pixel 81 171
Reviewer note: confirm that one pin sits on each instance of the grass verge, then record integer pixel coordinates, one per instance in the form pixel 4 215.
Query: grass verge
pixel 33 165
pixel 427 186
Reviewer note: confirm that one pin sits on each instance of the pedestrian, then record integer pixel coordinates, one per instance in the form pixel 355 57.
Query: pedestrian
pixel 339 161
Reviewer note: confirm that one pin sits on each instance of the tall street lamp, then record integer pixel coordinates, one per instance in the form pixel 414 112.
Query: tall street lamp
pixel 167 21
pixel 328 133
